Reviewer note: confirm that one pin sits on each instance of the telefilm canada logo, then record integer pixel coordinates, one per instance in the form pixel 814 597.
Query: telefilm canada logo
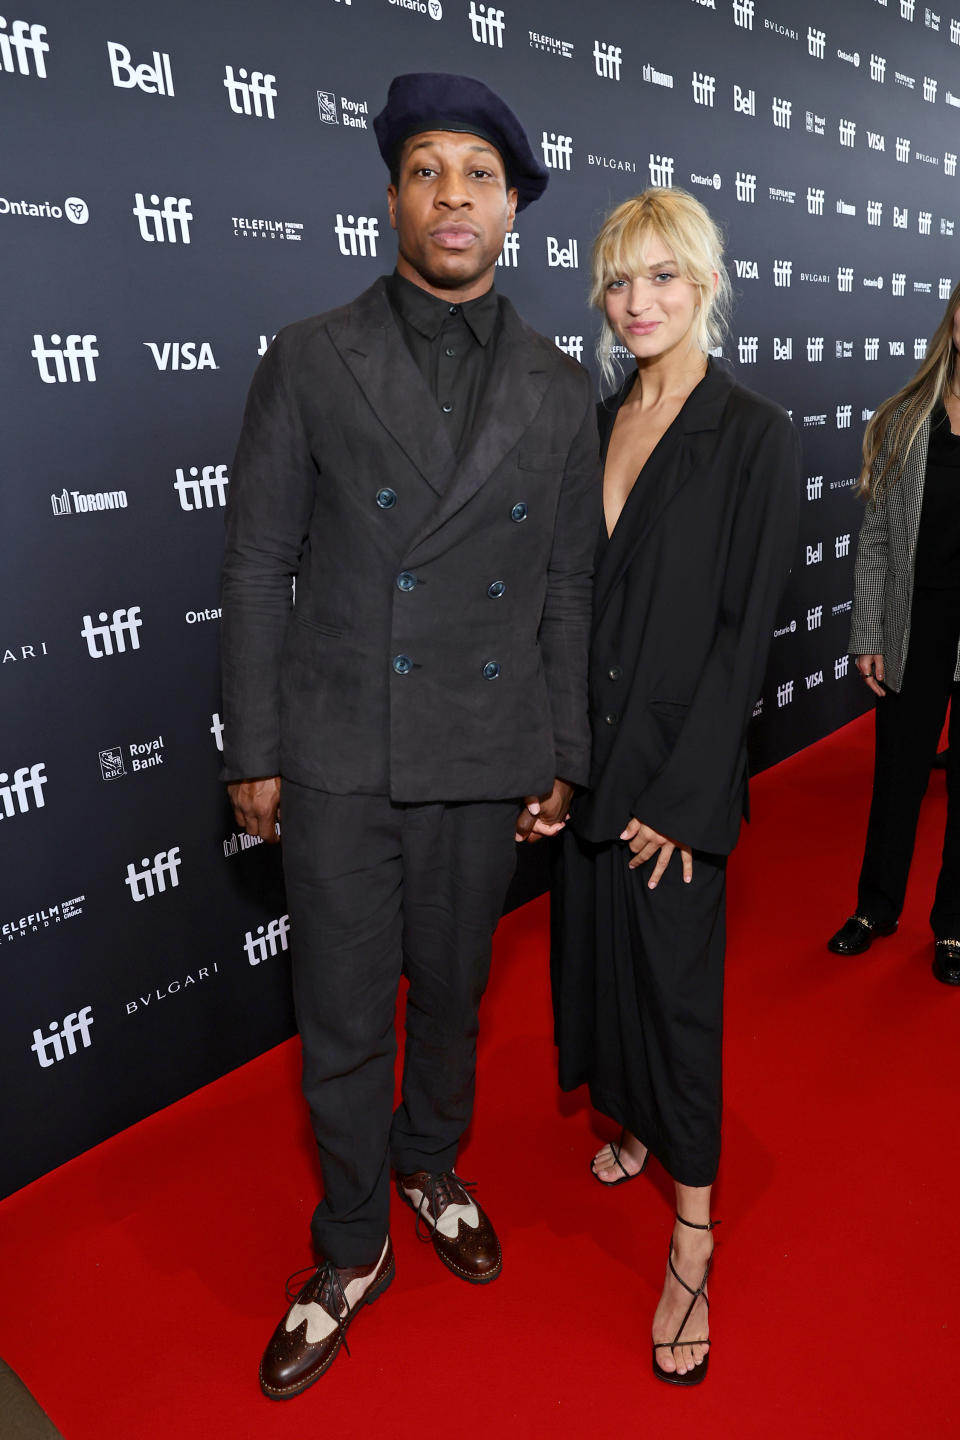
pixel 247 227
pixel 74 209
pixel 43 918
pixel 550 45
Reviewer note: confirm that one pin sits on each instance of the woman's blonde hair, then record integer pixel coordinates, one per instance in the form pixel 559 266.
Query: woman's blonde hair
pixel 685 227
pixel 895 426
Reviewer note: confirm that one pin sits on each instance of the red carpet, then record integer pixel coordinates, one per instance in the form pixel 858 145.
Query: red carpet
pixel 142 1280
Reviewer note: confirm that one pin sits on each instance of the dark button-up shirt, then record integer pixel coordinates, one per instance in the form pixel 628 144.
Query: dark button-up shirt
pixel 937 563
pixel 452 345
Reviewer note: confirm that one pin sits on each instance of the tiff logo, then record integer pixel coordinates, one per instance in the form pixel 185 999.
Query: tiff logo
pixel 955 31
pixel 874 212
pixel 748 347
pixel 607 60
pixel 197 493
pixel 814 201
pixel 704 88
pixel 878 69
pixel 251 96
pixel 746 187
pixel 743 13
pixel 814 617
pixel 782 110
pixel 571 345
pixel 26 40
pixel 929 89
pixel 76 349
pixel 841 667
pixel 216 730
pixel 906 9
pixel 943 289
pixel 151 878
pixel 784 694
pixel 744 101
pixel 160 223
pixel 814 349
pixel 871 347
pixel 844 413
pixel 28 781
pixel 357 234
pixel 486 24
pixel 815 553
pixel 848 132
pixel 155 79
pixel 898 283
pixel 112 634
pixel 510 254
pixel 557 150
pixel 903 150
pixel 845 278
pixel 949 163
pixel 79 1023
pixel 920 348
pixel 814 487
pixel 841 544
pixel 782 273
pixel 269 940
pixel 816 42
pixel 923 221
pixel 661 171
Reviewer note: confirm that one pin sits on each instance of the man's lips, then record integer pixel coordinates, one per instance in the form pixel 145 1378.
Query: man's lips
pixel 453 237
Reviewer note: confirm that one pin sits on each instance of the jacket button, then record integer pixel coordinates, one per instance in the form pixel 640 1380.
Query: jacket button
pixel 496 589
pixel 491 670
pixel 519 512
pixel 611 717
pixel 406 580
pixel 402 664
pixel 614 672
pixel 446 409
pixel 386 498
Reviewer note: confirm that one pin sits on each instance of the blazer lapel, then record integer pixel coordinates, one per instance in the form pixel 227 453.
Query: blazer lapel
pixel 373 349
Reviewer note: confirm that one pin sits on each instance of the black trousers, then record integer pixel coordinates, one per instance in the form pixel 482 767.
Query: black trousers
pixel 908 726
pixel 374 890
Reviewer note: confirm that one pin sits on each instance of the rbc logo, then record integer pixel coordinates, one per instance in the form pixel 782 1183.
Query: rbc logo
pixel 112 634
pixel 79 1023
pixel 162 223
pixel 76 350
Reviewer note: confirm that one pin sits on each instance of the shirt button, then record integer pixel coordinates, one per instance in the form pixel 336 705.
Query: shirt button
pixel 491 670
pixel 402 664
pixel 406 581
pixel 446 409
pixel 519 512
pixel 496 589
pixel 611 717
pixel 449 351
pixel 386 499
pixel 614 672
pixel 454 310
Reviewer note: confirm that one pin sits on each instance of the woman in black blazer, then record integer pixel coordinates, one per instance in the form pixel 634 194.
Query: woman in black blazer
pixel 905 633
pixel 701 488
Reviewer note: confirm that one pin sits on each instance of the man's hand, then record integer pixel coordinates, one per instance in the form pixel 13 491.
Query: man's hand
pixel 544 814
pixel 872 669
pixel 644 842
pixel 256 806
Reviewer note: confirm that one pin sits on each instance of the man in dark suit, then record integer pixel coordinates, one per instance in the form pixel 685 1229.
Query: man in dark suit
pixel 425 467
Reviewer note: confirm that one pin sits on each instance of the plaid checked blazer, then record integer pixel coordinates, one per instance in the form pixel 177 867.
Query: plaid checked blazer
pixel 883 579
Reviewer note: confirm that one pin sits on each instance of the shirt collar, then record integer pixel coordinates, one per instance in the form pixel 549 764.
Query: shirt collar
pixel 428 314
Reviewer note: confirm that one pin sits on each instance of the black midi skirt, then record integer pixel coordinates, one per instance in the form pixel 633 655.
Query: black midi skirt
pixel 637 978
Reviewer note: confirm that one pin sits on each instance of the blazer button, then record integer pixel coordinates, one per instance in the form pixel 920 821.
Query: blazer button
pixel 519 512
pixel 386 498
pixel 611 717
pixel 491 670
pixel 496 589
pixel 402 664
pixel 614 672
pixel 446 409
pixel 406 580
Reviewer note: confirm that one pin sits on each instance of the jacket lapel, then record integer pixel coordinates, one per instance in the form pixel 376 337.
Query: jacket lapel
pixel 373 349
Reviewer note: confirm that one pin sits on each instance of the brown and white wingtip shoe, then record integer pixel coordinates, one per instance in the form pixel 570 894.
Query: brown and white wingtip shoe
pixel 448 1215
pixel 308 1338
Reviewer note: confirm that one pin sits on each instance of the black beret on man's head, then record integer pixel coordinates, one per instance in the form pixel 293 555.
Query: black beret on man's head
pixel 458 102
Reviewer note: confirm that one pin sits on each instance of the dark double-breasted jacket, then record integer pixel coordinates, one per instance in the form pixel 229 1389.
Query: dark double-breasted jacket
pixel 685 598
pixel 436 648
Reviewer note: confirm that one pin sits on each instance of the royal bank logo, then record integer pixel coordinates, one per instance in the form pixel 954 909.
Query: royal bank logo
pixel 784 694
pixel 844 350
pixel 878 69
pixel 816 43
pixel 153 877
pixel 358 236
pixel 844 415
pixel 743 13
pixel 166 222
pixel 871 347
pixel 845 279
pixel 903 150
pixel 814 349
pixel 251 94
pixel 143 755
pixel 557 150
pixel 21 45
pixel 746 187
pixel 848 133
pixel 114 633
pixel 744 101
pixel 80 502
pixel 748 349
pixel 563 49
pixel 814 487
pixel 930 89
pixel 486 24
pixel 898 283
pixel 816 124
pixel 353 114
pixel 876 141
pixel 782 111
pixel 202 489
pixel 72 359
pixel 73 208
pixel 815 199
pixel 607 60
pixel 155 79
pixel 931 19
pixel 267 940
pixel 510 254
pixel 24 792
pixel 782 273
pixel 61 1037
pixel 571 345
pixel 111 763
pixel 704 88
pixel 181 354
pixel 566 256
pixel 660 169
pixel 247 227
pixel 925 220
pixel 814 617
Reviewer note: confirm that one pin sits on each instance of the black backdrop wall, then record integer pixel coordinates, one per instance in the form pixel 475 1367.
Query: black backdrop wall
pixel 180 180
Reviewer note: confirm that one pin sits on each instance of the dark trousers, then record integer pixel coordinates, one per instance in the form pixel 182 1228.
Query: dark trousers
pixel 374 890
pixel 908 726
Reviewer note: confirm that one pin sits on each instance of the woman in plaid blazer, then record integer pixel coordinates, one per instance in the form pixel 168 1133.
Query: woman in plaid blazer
pixel 906 637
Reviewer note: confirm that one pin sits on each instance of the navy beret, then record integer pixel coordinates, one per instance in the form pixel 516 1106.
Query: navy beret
pixel 458 102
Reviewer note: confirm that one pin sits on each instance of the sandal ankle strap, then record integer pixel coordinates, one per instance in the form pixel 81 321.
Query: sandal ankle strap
pixel 692 1225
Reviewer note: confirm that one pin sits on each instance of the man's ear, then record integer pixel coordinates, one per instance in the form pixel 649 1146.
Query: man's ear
pixel 392 197
pixel 512 197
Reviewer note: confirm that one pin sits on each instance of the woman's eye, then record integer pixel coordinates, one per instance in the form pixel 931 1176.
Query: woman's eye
pixel 664 275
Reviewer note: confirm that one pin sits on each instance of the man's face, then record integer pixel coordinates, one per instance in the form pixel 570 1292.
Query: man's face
pixel 451 209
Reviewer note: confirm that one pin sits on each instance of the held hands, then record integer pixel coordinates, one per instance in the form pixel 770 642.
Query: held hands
pixel 871 668
pixel 644 842
pixel 544 814
pixel 256 806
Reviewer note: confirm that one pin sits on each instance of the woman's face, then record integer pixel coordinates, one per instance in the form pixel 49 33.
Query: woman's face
pixel 956 328
pixel 653 313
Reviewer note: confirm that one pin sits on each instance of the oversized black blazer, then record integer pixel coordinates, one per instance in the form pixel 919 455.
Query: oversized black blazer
pixel 685 599
pixel 345 481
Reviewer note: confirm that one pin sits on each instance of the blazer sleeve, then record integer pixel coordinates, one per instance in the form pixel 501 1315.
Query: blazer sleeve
pixel 697 795
pixel 564 633
pixel 272 484
pixel 869 580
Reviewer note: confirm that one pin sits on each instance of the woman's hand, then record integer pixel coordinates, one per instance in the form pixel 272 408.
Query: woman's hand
pixel 871 668
pixel 644 842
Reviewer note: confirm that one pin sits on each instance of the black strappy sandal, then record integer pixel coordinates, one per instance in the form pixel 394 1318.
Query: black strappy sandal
pixel 615 1152
pixel 698 1374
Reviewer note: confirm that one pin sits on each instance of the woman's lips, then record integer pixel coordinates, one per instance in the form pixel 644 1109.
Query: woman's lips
pixel 643 328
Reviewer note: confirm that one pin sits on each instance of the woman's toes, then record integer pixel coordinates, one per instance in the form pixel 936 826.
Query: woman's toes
pixel 666 1360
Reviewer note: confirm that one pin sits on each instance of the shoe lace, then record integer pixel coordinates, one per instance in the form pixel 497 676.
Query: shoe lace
pixel 326 1287
pixel 439 1192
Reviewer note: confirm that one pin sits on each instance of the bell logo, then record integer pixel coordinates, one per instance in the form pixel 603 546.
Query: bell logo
pixel 782 349
pixel 269 940
pixel 169 222
pixel 486 24
pixel 815 553
pixel 197 492
pixel 355 236
pixel 112 634
pixel 557 150
pixel 567 256
pixel 76 350
pixel 24 40
pixel 744 101
pixel 63 1035
pixel 155 79
pixel 253 96
pixel 510 254
pixel 151 878
pixel 182 354
pixel 661 171
pixel 16 794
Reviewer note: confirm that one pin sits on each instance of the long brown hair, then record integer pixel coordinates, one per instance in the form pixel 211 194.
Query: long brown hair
pixel 896 424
